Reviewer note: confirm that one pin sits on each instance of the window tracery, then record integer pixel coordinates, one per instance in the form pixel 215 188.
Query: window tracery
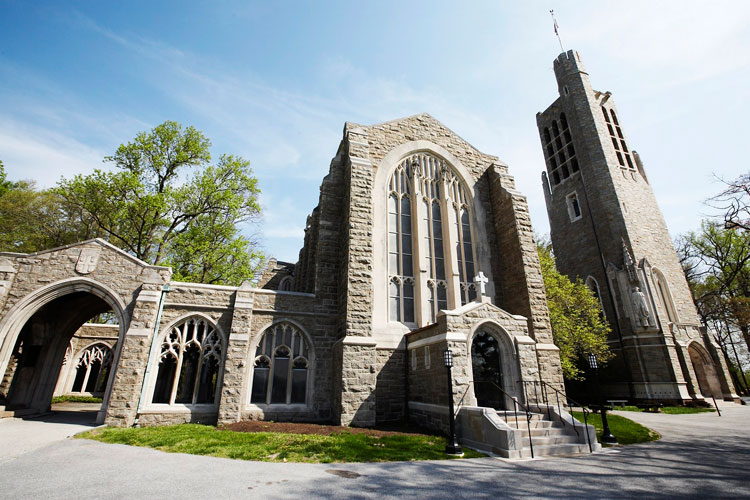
pixel 281 366
pixel 618 140
pixel 92 369
pixel 190 362
pixel 438 240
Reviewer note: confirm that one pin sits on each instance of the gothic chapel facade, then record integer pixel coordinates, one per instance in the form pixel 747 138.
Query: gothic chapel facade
pixel 419 243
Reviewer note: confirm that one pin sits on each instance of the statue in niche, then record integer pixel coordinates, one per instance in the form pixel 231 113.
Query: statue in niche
pixel 640 306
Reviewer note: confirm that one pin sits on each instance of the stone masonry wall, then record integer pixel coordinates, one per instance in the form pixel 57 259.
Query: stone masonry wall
pixel 390 389
pixel 522 284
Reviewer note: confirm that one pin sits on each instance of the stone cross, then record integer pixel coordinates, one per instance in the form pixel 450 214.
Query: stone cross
pixel 481 280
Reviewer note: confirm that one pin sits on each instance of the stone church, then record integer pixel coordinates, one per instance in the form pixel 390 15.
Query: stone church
pixel 419 243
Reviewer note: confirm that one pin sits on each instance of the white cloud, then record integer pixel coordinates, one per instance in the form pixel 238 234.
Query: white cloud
pixel 43 155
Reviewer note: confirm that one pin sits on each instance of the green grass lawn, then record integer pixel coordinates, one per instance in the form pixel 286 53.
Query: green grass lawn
pixel 625 430
pixel 76 399
pixel 671 410
pixel 278 447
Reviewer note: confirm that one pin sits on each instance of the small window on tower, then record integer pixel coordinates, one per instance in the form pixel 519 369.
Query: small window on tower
pixel 574 208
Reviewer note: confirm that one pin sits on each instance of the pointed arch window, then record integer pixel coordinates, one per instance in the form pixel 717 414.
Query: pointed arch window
pixel 190 363
pixel 594 287
pixel 93 369
pixel 281 366
pixel 426 186
pixel 560 151
pixel 665 296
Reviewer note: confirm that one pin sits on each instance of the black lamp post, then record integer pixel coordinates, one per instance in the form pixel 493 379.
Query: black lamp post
pixel 607 436
pixel 453 447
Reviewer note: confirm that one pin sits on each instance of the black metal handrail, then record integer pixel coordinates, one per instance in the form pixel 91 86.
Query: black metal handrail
pixel 544 387
pixel 516 405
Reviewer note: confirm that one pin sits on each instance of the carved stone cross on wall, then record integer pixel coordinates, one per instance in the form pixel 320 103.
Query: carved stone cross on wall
pixel 481 280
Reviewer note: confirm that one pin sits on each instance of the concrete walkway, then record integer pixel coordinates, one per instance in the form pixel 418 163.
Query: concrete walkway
pixel 19 436
pixel 700 456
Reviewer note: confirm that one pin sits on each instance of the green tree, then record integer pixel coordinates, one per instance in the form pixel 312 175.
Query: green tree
pixel 578 325
pixel 718 260
pixel 35 220
pixel 167 205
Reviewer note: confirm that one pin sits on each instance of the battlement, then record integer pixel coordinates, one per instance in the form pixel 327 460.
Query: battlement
pixel 567 63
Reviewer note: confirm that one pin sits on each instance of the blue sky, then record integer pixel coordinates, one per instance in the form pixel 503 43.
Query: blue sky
pixel 274 82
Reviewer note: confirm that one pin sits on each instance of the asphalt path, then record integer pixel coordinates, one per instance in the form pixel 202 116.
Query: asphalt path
pixel 699 456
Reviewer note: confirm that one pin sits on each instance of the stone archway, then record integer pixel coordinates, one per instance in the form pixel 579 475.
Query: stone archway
pixel 493 368
pixel 705 371
pixel 37 333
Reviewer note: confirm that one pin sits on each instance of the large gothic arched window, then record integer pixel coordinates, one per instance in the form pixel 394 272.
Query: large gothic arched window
pixel 429 229
pixel 190 363
pixel 281 366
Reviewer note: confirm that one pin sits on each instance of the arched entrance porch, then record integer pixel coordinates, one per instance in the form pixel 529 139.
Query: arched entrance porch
pixel 494 367
pixel 36 334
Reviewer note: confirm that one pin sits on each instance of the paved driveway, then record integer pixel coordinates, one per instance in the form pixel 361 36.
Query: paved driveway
pixel 700 456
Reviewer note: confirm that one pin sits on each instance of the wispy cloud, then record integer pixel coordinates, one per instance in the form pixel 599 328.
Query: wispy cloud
pixel 290 132
pixel 43 155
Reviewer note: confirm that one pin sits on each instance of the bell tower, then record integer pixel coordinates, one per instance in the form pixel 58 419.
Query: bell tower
pixel 606 228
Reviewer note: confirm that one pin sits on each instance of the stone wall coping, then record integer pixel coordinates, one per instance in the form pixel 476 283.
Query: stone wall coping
pixel 281 292
pixel 418 330
pixel 101 325
pixel 443 337
pixel 459 311
pixel 442 409
pixel 138 332
pixel 358 340
pixel 99 241
pixel 524 339
pixel 547 347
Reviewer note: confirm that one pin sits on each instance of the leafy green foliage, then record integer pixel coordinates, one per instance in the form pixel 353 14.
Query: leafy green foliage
pixel 716 261
pixel 76 399
pixel 279 447
pixel 36 220
pixel 167 205
pixel 578 326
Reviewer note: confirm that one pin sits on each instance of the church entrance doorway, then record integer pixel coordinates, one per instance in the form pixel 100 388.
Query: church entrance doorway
pixel 36 352
pixel 487 368
pixel 705 372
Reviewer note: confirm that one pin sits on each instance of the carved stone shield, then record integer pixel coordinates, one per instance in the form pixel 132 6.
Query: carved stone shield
pixel 87 260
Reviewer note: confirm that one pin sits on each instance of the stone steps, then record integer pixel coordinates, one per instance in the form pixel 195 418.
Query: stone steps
pixel 550 438
pixel 548 450
pixel 520 424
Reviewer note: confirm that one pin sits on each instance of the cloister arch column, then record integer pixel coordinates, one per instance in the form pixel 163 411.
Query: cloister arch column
pixel 237 364
pixel 134 354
